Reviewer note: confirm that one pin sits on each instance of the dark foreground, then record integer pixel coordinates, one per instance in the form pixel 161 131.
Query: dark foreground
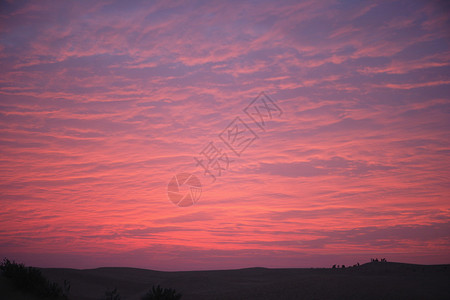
pixel 368 281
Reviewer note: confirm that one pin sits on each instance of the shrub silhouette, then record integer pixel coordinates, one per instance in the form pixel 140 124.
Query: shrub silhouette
pixel 112 295
pixel 66 287
pixel 159 293
pixel 31 280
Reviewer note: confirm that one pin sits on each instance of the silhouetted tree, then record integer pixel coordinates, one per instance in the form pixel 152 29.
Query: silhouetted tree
pixel 66 288
pixel 112 295
pixel 158 293
pixel 334 266
pixel 31 280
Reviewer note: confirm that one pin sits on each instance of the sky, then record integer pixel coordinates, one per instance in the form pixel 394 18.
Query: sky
pixel 194 135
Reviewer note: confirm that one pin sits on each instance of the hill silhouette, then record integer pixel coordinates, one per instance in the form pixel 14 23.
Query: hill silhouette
pixel 387 280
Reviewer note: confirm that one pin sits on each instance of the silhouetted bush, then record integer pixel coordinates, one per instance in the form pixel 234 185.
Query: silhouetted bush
pixel 112 295
pixel 31 280
pixel 66 287
pixel 159 293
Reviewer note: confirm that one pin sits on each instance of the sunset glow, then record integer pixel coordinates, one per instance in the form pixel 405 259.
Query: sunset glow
pixel 102 103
